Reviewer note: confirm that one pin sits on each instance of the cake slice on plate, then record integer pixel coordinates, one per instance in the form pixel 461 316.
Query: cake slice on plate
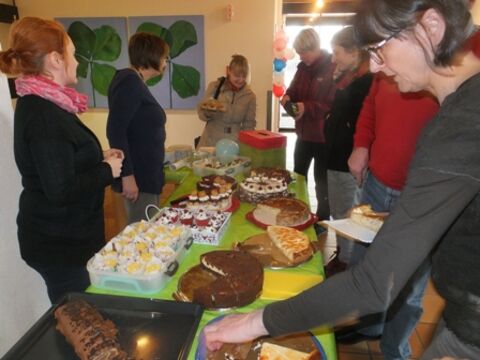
pixel 364 215
pixel 294 244
pixel 276 352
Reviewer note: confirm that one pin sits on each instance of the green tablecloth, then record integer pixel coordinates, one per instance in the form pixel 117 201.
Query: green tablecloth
pixel 238 229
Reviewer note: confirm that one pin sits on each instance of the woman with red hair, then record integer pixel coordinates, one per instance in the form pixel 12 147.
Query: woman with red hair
pixel 63 169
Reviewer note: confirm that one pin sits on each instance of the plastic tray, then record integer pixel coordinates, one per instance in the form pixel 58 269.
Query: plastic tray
pixel 197 233
pixel 143 284
pixel 243 167
pixel 168 326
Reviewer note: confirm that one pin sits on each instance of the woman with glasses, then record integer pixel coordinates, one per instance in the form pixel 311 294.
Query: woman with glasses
pixel 136 124
pixel 438 212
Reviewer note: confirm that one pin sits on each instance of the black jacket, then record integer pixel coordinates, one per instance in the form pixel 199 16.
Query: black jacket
pixel 341 121
pixel 60 216
pixel 136 125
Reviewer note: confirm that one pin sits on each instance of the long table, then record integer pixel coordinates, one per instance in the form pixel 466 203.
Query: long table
pixel 238 229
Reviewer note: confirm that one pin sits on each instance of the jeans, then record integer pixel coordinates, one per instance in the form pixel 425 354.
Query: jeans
pixel 62 279
pixel 343 194
pixel 446 343
pixel 304 153
pixel 397 324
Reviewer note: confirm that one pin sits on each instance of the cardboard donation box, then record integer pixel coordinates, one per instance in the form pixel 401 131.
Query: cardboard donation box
pixel 263 147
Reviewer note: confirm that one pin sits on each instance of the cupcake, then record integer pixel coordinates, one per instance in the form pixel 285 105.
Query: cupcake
pixel 201 218
pixel 172 215
pixel 186 217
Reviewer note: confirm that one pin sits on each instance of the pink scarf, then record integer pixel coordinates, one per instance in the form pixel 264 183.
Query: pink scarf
pixel 66 98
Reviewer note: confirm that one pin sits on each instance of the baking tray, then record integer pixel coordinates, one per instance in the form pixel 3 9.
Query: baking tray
pixel 149 329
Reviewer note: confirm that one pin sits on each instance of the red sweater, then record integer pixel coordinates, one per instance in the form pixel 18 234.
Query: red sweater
pixel 389 125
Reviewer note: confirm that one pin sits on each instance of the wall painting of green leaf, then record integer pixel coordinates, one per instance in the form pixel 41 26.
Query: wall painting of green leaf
pixel 101 48
pixel 181 86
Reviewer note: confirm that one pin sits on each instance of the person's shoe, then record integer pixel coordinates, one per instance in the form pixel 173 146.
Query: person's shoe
pixel 334 264
pixel 353 337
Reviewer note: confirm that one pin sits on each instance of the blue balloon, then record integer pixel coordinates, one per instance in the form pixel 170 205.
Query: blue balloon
pixel 225 149
pixel 279 64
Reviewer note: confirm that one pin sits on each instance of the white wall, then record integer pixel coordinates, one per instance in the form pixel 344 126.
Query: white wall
pixel 23 296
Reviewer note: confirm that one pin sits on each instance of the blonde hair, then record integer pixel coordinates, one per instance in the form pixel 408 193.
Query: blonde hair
pixel 307 40
pixel 239 64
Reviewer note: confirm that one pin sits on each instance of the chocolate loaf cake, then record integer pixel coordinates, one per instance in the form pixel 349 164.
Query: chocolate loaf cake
pixel 92 337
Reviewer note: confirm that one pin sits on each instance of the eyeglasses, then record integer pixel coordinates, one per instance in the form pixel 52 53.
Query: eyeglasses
pixel 374 51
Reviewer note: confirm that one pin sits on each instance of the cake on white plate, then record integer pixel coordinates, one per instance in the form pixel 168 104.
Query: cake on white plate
pixel 364 215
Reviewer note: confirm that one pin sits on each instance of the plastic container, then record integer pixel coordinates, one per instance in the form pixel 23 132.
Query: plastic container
pixel 201 234
pixel 141 283
pixel 212 166
pixel 264 148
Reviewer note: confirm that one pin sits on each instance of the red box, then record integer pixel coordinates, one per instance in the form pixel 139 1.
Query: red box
pixel 262 139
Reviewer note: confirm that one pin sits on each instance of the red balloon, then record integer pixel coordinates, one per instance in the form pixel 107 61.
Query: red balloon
pixel 278 91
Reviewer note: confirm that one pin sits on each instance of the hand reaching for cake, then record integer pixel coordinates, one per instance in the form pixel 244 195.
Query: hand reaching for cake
pixel 237 328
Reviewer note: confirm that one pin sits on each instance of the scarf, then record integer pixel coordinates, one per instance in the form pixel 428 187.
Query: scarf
pixel 344 79
pixel 67 98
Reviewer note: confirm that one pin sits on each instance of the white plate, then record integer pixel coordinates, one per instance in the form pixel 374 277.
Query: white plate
pixel 352 230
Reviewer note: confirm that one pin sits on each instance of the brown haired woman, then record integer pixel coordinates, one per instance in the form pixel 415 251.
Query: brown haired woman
pixel 136 124
pixel 238 100
pixel 63 169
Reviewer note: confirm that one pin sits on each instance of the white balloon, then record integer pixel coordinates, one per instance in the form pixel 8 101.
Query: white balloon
pixel 289 53
pixel 280 35
pixel 279 78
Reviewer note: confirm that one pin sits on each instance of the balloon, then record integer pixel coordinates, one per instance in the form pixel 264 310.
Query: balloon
pixel 279 44
pixel 289 54
pixel 279 54
pixel 278 78
pixel 279 64
pixel 280 35
pixel 225 149
pixel 278 91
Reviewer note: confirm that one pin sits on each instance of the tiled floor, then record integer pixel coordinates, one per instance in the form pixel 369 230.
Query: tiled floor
pixel 370 350
pixel 433 304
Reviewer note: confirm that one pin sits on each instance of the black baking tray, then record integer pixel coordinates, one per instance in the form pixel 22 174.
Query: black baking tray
pixel 149 329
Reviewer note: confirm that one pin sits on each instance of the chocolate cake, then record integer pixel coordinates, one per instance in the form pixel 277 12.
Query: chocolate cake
pixel 237 282
pixel 92 337
pixel 272 173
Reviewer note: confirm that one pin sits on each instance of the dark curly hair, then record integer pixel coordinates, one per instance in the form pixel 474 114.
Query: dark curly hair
pixel 378 19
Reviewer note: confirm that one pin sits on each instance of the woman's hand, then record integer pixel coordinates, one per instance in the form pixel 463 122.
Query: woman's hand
pixel 358 163
pixel 129 188
pixel 235 329
pixel 284 100
pixel 115 165
pixel 301 110
pixel 113 153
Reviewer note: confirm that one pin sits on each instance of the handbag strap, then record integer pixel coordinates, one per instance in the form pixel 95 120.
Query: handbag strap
pixel 217 92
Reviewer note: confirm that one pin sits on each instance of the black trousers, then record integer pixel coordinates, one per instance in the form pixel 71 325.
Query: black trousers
pixel 305 152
